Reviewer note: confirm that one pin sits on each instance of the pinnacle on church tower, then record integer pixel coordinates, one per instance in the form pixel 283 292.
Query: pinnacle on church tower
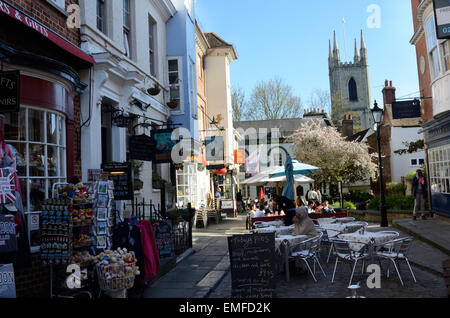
pixel 356 58
pixel 363 48
pixel 336 49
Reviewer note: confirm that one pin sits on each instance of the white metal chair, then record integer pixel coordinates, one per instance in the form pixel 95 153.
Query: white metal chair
pixel 395 251
pixel 308 250
pixel 346 254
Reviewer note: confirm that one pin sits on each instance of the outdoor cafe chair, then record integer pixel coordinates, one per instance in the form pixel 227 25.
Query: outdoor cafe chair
pixel 396 251
pixel 346 254
pixel 308 250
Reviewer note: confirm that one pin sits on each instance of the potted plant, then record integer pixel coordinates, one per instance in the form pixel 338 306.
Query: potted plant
pixel 173 104
pixel 137 168
pixel 179 166
pixel 155 90
pixel 157 182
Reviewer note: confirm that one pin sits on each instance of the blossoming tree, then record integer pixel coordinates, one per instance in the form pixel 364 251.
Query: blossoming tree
pixel 339 160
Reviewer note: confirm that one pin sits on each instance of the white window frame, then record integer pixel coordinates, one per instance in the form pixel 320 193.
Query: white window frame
pixel 439 165
pixel 445 55
pixel 434 56
pixel 103 28
pixel 192 89
pixel 179 59
pixel 61 4
pixel 127 30
pixel 152 46
pixel 62 170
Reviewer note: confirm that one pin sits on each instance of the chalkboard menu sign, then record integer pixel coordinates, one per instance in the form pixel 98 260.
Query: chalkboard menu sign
pixel 121 175
pixel 164 239
pixel 252 260
pixel 8 239
pixel 9 91
pixel 142 147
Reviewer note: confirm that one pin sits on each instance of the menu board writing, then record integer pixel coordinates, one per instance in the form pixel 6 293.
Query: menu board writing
pixel 252 259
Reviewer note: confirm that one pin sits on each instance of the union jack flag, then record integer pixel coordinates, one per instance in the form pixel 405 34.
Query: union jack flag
pixel 7 185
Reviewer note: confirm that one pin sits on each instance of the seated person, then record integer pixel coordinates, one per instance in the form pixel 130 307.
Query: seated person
pixel 303 224
pixel 260 213
pixel 326 208
pixel 253 210
pixel 311 207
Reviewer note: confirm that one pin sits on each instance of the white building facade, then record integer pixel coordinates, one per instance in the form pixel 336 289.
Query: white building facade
pixel 127 39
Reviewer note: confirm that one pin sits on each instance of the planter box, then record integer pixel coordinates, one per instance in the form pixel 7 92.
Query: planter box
pixel 374 216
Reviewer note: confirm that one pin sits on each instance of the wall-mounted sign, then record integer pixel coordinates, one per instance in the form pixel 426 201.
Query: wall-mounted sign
pixel 121 175
pixel 9 92
pixel 7 281
pixel 406 109
pixel 142 148
pixel 442 18
pixel 239 157
pixel 8 238
pixel 214 148
pixel 164 145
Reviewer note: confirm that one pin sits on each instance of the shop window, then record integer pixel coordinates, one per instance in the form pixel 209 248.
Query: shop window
pixel 440 169
pixel 187 185
pixel 38 142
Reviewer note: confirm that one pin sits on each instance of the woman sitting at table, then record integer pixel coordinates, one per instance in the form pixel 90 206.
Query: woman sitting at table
pixel 303 225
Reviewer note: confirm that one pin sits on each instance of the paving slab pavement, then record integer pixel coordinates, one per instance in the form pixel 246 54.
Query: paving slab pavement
pixel 197 275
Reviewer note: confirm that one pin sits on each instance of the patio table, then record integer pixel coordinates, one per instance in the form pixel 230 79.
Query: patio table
pixel 336 228
pixel 267 224
pixel 358 240
pixel 281 230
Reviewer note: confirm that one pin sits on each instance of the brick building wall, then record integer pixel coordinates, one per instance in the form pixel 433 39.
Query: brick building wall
pixel 34 281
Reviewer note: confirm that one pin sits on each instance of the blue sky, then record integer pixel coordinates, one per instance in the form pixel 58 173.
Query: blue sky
pixel 289 38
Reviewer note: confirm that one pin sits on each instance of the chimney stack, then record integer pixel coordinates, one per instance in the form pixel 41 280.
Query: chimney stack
pixel 347 126
pixel 388 93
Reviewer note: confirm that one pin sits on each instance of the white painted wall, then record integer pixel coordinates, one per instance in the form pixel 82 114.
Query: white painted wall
pixel 121 79
pixel 401 164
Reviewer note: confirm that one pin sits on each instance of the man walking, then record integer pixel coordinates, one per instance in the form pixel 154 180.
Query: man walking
pixel 419 187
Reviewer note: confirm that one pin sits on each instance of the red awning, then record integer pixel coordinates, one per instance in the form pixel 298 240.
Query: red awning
pixel 44 31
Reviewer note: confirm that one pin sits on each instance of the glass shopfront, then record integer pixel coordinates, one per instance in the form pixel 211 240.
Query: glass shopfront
pixel 38 140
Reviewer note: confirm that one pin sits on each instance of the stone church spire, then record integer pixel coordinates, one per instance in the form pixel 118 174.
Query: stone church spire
pixel 336 49
pixel 356 58
pixel 330 54
pixel 363 48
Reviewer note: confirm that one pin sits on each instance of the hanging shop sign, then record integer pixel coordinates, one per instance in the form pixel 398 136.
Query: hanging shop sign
pixel 406 109
pixel 121 175
pixel 214 148
pixel 442 18
pixel 239 157
pixel 9 92
pixel 142 148
pixel 8 238
pixel 164 144
pixel 252 260
pixel 7 281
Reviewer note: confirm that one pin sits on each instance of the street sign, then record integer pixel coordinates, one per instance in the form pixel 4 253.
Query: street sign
pixel 9 92
pixel 442 18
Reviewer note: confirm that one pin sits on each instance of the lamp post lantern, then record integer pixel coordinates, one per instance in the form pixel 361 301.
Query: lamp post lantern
pixel 377 114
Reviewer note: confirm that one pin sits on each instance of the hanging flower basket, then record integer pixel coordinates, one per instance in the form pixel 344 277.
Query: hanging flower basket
pixel 158 182
pixel 178 166
pixel 173 104
pixel 155 90
pixel 200 167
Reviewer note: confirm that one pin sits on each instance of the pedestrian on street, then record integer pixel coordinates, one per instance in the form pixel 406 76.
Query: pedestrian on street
pixel 312 195
pixel 419 187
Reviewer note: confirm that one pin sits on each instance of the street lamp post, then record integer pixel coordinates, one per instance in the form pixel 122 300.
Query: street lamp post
pixel 377 114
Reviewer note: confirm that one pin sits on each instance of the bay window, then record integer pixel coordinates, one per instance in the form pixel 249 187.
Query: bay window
pixel 38 142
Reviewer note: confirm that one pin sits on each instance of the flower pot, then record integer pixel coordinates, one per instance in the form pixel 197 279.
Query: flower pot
pixel 158 184
pixel 172 104
pixel 154 91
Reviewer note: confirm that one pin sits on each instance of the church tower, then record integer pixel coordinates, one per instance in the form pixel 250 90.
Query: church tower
pixel 350 85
